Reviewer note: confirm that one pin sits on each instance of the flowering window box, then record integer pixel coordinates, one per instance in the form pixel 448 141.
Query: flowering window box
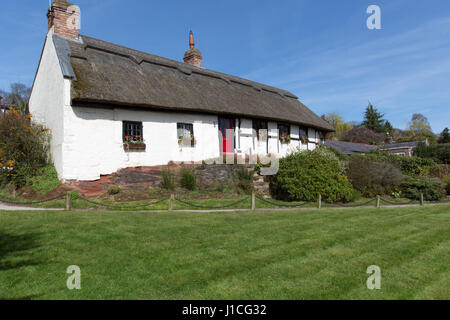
pixel 134 143
pixel 134 146
pixel 285 138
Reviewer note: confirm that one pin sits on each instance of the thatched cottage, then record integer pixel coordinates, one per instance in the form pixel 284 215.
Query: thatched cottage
pixel 111 107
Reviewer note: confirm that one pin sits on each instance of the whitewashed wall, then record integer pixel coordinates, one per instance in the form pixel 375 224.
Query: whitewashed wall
pixel 93 143
pixel 47 100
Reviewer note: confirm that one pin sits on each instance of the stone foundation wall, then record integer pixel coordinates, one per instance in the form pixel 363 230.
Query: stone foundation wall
pixel 150 177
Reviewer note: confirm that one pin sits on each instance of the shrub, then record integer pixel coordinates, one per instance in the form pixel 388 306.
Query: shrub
pixel 75 195
pixel 23 148
pixel 302 176
pixel 408 165
pixel 372 177
pixel 433 189
pixel 45 180
pixel 439 153
pixel 168 180
pixel 112 190
pixel 446 180
pixel 244 180
pixel 188 178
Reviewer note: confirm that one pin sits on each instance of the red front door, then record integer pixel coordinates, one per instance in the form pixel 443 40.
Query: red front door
pixel 226 130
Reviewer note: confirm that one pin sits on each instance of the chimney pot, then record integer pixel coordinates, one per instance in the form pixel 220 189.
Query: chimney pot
pixel 193 56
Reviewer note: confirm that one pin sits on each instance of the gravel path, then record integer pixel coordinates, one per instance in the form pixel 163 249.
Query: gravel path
pixel 7 207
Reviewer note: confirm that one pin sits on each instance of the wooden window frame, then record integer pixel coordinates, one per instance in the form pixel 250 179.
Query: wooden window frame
pixel 132 129
pixel 288 126
pixel 260 124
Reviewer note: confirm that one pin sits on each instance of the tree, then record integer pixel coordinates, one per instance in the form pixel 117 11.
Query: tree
pixel 364 135
pixel 373 119
pixel 445 136
pixel 17 97
pixel 338 124
pixel 419 129
pixel 419 123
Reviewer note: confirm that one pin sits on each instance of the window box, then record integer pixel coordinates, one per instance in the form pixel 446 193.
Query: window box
pixel 134 146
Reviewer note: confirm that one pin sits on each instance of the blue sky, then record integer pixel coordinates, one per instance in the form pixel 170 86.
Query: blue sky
pixel 320 50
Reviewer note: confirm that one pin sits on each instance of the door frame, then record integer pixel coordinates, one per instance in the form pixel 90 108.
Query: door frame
pixel 233 126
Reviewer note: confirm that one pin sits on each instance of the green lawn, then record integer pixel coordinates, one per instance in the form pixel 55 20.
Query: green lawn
pixel 303 254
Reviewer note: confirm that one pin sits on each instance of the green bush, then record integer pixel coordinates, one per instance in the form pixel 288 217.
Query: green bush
pixel 244 180
pixel 23 148
pixel 446 180
pixel 75 194
pixel 188 178
pixel 302 176
pixel 438 153
pixel 433 189
pixel 168 180
pixel 373 177
pixel 412 166
pixel 45 180
pixel 112 190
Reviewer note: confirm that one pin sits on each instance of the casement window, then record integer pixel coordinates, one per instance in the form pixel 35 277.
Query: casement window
pixel 303 134
pixel 132 131
pixel 261 129
pixel 185 134
pixel 284 133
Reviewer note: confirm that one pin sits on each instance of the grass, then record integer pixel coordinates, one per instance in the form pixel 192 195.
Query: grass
pixel 308 254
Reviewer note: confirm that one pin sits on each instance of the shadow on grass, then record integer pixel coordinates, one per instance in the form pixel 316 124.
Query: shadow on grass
pixel 30 297
pixel 18 249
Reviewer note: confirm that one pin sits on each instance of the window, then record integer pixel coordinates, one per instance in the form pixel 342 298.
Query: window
pixel 185 134
pixel 322 137
pixel 260 127
pixel 303 134
pixel 284 133
pixel 132 131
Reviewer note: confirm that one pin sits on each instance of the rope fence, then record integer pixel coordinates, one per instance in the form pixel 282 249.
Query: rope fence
pixel 111 206
pixel 211 207
pixel 149 203
pixel 298 205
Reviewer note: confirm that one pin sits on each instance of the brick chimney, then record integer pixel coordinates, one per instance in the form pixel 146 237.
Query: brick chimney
pixel 193 56
pixel 64 18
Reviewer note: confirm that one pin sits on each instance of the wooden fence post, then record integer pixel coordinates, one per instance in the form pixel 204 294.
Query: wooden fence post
pixel 68 201
pixel 378 201
pixel 253 201
pixel 319 200
pixel 421 198
pixel 172 197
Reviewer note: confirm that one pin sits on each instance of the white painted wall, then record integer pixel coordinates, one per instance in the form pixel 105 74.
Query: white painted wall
pixel 93 143
pixel 47 100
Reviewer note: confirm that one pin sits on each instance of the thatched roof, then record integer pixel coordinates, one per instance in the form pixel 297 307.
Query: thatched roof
pixel 109 74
